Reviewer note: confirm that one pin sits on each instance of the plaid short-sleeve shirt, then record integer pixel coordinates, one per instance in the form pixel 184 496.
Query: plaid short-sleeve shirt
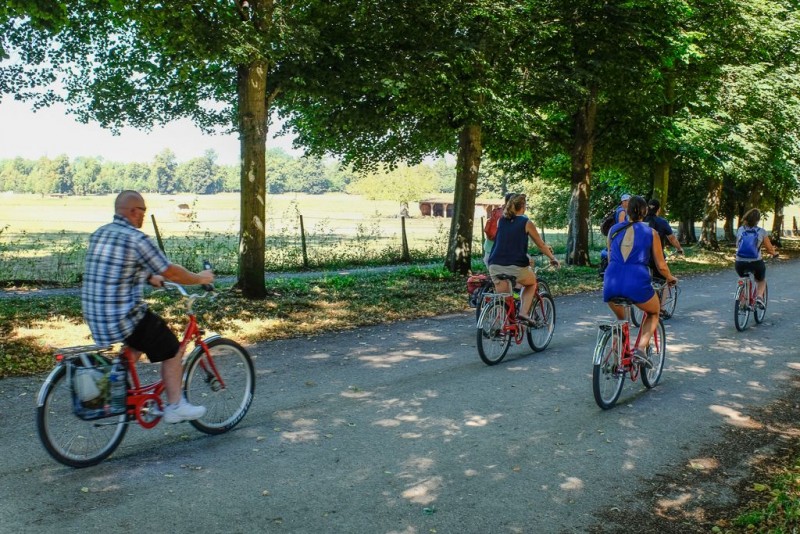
pixel 118 262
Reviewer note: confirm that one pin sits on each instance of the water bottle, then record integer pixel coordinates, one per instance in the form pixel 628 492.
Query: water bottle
pixel 119 387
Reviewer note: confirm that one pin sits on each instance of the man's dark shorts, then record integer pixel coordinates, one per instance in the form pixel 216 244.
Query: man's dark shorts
pixel 153 337
pixel 757 267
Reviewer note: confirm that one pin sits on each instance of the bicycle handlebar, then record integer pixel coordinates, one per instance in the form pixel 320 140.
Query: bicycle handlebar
pixel 207 267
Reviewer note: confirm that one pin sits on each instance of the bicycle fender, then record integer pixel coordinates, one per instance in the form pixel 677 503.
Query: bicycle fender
pixel 598 353
pixel 198 348
pixel 47 381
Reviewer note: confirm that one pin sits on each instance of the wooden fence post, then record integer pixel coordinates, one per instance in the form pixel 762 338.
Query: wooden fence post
pixel 158 234
pixel 405 256
pixel 303 243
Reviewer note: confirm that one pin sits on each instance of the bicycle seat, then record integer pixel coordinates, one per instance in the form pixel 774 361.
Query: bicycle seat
pixel 508 277
pixel 622 301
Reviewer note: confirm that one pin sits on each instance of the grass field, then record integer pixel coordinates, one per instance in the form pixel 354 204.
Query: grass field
pixel 43 238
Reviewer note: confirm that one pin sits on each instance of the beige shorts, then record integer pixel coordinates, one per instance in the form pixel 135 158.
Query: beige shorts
pixel 524 275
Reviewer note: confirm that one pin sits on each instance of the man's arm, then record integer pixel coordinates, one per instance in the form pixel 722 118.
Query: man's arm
pixel 181 275
pixel 675 243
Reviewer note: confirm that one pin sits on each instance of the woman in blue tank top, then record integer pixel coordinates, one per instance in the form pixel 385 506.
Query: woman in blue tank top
pixel 630 246
pixel 510 252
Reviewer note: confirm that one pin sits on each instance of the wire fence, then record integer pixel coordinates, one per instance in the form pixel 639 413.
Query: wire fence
pixel 291 243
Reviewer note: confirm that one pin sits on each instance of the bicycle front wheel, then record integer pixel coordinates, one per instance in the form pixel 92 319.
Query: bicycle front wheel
pixel 637 316
pixel 760 312
pixel 657 352
pixel 67 438
pixel 543 314
pixel 493 341
pixel 223 381
pixel 741 309
pixel 669 301
pixel 544 287
pixel 608 377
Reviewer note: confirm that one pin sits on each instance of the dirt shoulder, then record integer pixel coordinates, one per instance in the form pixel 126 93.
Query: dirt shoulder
pixel 717 485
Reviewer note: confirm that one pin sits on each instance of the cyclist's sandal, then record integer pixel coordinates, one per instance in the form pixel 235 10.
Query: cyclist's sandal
pixel 525 320
pixel 642 358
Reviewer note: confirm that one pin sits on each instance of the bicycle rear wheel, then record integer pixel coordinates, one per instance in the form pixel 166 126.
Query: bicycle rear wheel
pixel 493 342
pixel 657 352
pixel 741 308
pixel 543 314
pixel 67 438
pixel 223 383
pixel 759 312
pixel 486 288
pixel 607 375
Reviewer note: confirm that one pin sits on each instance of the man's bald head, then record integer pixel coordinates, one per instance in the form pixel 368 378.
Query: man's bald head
pixel 127 199
pixel 130 205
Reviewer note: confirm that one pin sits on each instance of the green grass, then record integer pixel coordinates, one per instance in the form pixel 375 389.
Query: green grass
pixel 776 510
pixel 32 327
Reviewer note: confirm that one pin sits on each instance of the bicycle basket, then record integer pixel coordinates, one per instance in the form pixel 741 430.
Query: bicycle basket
pixel 88 378
pixel 476 282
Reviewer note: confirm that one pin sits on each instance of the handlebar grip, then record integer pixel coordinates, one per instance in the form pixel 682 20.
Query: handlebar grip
pixel 207 267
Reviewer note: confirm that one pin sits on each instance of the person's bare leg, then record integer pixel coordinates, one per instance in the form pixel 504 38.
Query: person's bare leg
pixel 618 310
pixel 760 288
pixel 526 300
pixel 171 372
pixel 653 308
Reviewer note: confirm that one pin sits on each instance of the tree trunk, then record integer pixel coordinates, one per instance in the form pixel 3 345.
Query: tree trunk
pixel 777 223
pixel 459 250
pixel 252 86
pixel 730 234
pixel 708 233
pixel 728 206
pixel 578 209
pixel 664 163
pixel 686 233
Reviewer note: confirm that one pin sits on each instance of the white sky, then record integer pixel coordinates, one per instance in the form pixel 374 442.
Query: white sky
pixel 51 132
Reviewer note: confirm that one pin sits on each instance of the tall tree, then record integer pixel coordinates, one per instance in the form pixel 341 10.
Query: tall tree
pixel 391 82
pixel 146 62
pixel 86 171
pixel 162 172
pixel 587 73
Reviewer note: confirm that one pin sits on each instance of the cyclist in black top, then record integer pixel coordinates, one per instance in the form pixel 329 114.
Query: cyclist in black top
pixel 660 225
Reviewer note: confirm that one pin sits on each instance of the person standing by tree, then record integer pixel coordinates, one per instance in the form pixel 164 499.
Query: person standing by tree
pixel 119 260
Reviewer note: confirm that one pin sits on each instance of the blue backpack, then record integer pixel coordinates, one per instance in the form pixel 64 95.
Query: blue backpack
pixel 748 244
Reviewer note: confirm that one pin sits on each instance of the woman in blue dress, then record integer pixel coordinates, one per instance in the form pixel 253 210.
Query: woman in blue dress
pixel 631 245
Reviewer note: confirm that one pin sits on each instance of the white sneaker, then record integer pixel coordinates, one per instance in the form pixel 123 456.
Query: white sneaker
pixel 183 411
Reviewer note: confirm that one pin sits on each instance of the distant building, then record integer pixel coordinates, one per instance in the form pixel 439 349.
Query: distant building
pixel 443 207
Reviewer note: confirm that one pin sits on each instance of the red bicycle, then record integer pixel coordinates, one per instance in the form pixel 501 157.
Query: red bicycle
pixel 498 323
pixel 614 357
pixel 745 300
pixel 80 432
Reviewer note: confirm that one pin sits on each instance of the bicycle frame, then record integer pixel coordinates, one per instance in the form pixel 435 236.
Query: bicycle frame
pixel 144 404
pixel 144 401
pixel 511 325
pixel 620 329
pixel 749 288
